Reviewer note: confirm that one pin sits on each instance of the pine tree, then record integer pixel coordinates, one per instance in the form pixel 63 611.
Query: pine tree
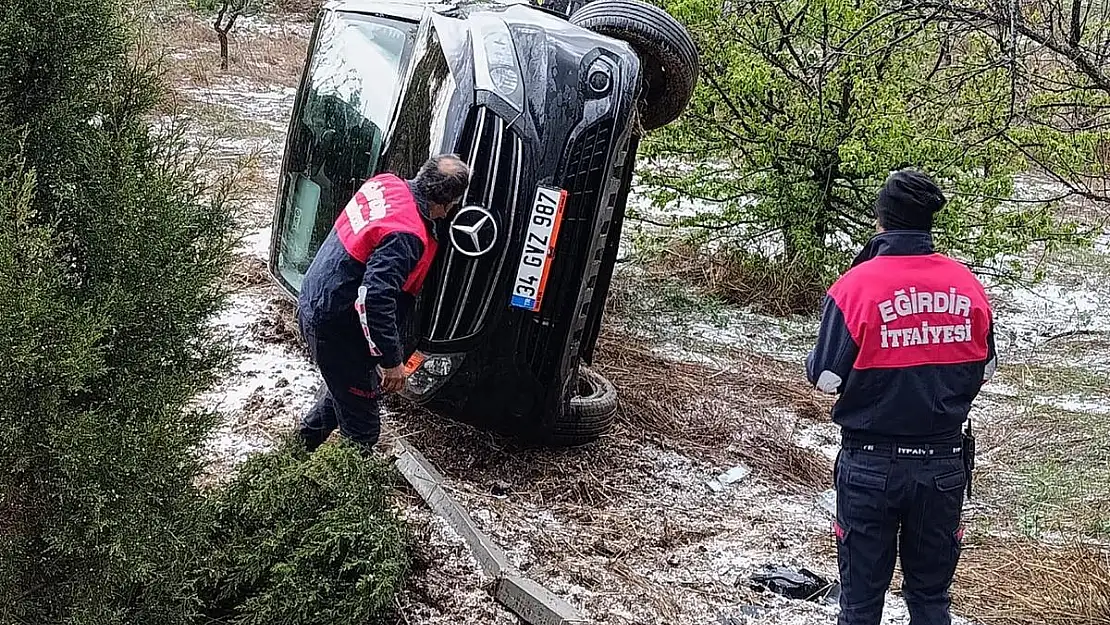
pixel 111 256
pixel 305 540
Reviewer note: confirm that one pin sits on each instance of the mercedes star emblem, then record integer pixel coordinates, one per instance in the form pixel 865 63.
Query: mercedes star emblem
pixel 473 231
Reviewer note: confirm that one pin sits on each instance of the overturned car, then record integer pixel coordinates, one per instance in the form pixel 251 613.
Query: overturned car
pixel 546 102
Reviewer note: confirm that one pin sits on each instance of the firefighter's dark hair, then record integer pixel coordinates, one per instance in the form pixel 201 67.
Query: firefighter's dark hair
pixel 443 178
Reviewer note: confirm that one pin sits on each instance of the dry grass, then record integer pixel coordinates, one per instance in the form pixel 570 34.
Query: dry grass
pixel 778 288
pixel 297 8
pixel 189 44
pixel 1030 583
pixel 1049 466
pixel 596 477
pixel 1026 582
pixel 248 271
pixel 715 414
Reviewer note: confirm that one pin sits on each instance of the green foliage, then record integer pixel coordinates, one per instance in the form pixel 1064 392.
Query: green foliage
pixel 113 253
pixel 805 106
pixel 110 265
pixel 306 539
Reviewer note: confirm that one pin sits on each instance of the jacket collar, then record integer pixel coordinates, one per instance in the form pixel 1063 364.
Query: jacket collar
pixel 422 206
pixel 896 243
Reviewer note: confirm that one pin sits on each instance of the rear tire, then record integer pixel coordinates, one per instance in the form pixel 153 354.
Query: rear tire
pixel 668 57
pixel 591 412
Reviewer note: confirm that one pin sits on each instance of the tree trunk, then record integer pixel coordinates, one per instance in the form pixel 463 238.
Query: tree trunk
pixel 1076 30
pixel 223 49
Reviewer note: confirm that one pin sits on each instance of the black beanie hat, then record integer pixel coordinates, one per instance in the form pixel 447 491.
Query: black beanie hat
pixel 908 201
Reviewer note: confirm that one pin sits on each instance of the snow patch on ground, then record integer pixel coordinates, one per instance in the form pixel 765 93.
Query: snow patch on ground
pixel 1028 316
pixel 260 367
pixel 266 26
pixel 269 383
pixel 269 106
pixel 453 588
pixel 821 437
pixel 257 243
pixel 1077 403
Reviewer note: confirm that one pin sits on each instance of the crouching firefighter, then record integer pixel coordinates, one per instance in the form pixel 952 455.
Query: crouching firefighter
pixel 906 342
pixel 358 289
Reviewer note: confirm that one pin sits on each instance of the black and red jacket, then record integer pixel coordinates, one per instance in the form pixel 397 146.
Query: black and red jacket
pixel 367 272
pixel 906 341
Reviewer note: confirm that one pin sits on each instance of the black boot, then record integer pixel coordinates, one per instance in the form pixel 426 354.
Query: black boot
pixel 311 439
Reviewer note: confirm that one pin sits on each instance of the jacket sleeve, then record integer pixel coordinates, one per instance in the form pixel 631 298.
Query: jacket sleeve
pixel 832 359
pixel 387 269
pixel 992 357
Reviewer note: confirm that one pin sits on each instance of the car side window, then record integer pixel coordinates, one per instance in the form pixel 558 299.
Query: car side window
pixel 343 108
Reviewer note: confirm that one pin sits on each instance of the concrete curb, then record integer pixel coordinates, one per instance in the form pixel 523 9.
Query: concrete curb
pixel 522 596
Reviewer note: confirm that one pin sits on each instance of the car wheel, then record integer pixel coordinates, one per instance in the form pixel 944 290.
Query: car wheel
pixel 668 56
pixel 591 411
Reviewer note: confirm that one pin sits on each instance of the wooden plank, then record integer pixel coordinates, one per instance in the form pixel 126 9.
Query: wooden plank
pixel 524 597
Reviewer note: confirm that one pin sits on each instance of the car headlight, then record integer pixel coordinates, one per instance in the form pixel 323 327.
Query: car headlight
pixel 505 79
pixel 495 64
pixel 428 373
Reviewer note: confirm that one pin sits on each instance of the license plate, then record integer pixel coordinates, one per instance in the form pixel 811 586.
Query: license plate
pixel 539 247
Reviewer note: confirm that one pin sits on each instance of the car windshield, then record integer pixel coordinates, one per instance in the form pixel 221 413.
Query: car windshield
pixel 344 105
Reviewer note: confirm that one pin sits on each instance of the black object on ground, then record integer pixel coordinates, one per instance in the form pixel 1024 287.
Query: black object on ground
pixel 797 584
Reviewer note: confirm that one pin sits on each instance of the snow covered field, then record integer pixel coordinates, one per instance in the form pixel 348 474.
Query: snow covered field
pixel 629 530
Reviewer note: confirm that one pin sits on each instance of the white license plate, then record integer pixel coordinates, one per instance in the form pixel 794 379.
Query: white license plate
pixel 539 247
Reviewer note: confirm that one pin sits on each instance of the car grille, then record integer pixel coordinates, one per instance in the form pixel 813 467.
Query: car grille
pixel 584 179
pixel 463 285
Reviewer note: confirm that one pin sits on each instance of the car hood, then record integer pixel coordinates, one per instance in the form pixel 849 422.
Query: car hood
pixel 552 58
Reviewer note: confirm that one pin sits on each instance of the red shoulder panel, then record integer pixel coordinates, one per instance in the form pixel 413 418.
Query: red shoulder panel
pixel 908 311
pixel 384 204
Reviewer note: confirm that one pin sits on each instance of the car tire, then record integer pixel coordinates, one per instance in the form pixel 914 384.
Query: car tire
pixel 591 411
pixel 668 57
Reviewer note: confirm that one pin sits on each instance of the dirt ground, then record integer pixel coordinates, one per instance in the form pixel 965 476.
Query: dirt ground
pixel 640 527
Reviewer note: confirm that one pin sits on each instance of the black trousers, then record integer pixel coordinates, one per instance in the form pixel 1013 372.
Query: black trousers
pixel 891 503
pixel 349 397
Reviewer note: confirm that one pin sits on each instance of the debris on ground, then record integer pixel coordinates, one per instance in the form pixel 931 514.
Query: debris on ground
pixel 800 584
pixel 733 475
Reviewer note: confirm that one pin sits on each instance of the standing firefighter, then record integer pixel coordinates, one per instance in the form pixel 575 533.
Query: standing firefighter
pixel 360 286
pixel 906 341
